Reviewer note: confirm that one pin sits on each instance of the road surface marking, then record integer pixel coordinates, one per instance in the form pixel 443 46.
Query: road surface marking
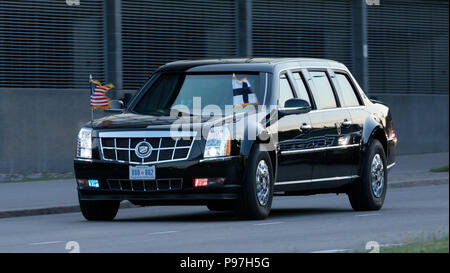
pixel 162 232
pixel 370 214
pixel 47 243
pixel 391 245
pixel 331 251
pixel 270 223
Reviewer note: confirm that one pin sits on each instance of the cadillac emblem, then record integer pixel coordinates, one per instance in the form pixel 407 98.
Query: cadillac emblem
pixel 143 149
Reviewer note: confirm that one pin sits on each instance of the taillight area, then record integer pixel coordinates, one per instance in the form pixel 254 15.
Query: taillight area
pixel 392 134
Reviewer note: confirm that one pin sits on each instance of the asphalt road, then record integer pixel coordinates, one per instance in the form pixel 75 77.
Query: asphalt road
pixel 297 224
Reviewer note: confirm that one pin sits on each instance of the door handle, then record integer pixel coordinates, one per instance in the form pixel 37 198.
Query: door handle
pixel 346 123
pixel 305 127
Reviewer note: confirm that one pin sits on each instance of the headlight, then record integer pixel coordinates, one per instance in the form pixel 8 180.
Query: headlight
pixel 218 142
pixel 84 143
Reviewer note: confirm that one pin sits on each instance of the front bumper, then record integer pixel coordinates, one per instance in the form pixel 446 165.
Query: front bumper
pixel 225 175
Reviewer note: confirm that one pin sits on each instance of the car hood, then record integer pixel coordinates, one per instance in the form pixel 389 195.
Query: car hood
pixel 136 121
pixel 129 120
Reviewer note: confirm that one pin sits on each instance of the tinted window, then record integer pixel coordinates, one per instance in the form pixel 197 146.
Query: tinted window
pixel 285 91
pixel 303 93
pixel 171 89
pixel 323 93
pixel 348 93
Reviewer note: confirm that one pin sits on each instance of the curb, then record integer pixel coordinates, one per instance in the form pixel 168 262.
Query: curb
pixel 422 182
pixel 76 208
pixel 51 210
pixel 38 211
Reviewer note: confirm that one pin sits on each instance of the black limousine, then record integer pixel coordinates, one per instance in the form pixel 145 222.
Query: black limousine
pixel 232 133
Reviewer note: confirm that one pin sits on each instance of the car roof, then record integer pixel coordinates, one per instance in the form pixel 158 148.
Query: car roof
pixel 247 64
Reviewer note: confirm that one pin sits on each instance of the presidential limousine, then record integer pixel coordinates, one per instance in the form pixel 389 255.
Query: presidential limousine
pixel 318 133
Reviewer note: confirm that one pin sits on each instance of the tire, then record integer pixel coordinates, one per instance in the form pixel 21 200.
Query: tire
pixel 249 205
pixel 362 195
pixel 220 205
pixel 99 210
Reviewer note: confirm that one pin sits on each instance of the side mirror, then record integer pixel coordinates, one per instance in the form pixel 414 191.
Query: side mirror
pixel 116 106
pixel 295 106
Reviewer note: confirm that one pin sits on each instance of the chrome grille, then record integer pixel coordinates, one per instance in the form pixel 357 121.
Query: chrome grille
pixel 121 146
pixel 166 184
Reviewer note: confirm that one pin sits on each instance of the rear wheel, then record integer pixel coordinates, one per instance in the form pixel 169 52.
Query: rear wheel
pixel 368 193
pixel 99 210
pixel 255 196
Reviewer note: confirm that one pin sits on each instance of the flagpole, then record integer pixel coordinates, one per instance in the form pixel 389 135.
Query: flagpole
pixel 92 110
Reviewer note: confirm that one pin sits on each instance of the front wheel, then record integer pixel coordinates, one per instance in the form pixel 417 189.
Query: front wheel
pixel 369 192
pixel 255 196
pixel 99 210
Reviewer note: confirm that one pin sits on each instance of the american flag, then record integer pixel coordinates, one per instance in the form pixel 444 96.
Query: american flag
pixel 99 100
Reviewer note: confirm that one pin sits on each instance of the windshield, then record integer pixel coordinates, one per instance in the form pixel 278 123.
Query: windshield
pixel 174 89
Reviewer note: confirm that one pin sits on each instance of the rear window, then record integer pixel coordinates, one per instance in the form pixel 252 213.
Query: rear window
pixel 347 91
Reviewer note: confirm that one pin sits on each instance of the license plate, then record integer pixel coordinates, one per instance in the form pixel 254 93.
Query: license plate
pixel 142 173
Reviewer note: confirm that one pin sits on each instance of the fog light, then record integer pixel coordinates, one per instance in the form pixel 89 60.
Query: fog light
pixel 200 182
pixel 93 183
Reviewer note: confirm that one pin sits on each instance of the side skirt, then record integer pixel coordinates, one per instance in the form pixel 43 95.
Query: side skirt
pixel 312 186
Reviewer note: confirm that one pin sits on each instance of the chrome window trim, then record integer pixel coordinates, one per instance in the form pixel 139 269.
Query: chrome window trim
pixel 265 90
pixel 319 149
pixel 298 69
pixel 317 180
pixel 354 82
pixel 337 108
pixel 293 90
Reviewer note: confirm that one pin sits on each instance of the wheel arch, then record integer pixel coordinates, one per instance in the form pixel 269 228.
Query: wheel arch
pixel 374 129
pixel 380 135
pixel 247 147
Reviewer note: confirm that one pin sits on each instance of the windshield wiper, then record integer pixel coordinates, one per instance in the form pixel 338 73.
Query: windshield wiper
pixel 182 112
pixel 150 113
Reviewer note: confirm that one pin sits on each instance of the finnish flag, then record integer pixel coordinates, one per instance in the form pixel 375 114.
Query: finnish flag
pixel 242 93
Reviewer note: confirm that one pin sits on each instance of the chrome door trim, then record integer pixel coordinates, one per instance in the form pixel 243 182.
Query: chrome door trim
pixel 317 180
pixel 319 149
